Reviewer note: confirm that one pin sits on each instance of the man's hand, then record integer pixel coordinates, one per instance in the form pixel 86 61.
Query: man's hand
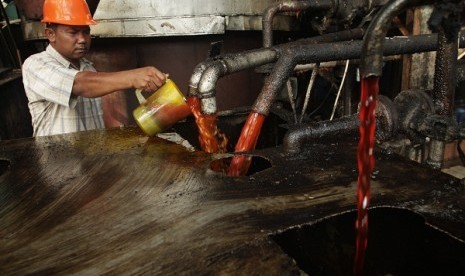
pixel 96 84
pixel 148 78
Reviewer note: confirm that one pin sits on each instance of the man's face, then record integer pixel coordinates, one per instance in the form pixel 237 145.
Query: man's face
pixel 72 42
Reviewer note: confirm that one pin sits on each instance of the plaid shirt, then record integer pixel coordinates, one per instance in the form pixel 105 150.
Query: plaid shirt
pixel 48 81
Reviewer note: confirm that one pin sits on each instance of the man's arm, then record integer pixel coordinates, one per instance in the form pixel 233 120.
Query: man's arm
pixel 96 84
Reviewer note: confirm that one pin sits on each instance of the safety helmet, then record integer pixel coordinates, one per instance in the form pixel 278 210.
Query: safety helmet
pixel 67 12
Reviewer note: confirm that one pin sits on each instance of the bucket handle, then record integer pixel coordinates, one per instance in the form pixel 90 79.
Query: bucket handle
pixel 140 97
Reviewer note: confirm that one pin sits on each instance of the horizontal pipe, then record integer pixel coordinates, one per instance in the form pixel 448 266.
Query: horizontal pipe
pixel 290 57
pixel 206 74
pixel 295 139
pixel 227 65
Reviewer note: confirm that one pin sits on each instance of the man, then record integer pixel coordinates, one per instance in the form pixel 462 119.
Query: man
pixel 63 88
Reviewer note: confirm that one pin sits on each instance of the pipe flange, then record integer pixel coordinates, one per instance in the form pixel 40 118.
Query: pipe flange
pixel 413 107
pixel 440 128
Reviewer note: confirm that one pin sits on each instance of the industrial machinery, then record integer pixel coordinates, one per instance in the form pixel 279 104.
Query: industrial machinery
pixel 115 201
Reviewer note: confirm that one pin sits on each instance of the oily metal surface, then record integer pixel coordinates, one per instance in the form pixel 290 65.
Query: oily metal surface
pixel 118 202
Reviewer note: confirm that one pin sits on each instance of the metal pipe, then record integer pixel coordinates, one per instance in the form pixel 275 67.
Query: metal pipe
pixel 270 12
pixel 436 154
pixel 386 123
pixel 196 75
pixel 444 73
pixel 372 52
pixel 295 139
pixel 206 74
pixel 345 35
pixel 290 57
pixel 226 65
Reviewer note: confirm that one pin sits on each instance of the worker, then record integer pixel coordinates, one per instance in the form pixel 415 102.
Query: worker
pixel 63 88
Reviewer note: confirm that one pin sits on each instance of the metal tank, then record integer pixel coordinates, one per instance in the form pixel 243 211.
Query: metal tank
pixel 148 18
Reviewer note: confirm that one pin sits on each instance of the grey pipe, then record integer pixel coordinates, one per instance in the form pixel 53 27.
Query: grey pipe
pixel 196 75
pixel 290 57
pixel 227 65
pixel 206 74
pixel 270 12
pixel 372 52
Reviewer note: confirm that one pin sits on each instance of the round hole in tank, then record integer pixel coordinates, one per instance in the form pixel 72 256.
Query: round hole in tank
pixel 4 165
pixel 247 164
pixel 399 243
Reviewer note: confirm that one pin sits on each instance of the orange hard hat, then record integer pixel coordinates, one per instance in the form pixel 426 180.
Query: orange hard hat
pixel 67 12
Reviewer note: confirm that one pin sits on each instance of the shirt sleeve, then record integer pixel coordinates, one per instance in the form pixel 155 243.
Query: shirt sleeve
pixel 49 80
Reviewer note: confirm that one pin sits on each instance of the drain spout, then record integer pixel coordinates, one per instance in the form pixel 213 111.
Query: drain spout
pixel 226 65
pixel 196 75
pixel 295 139
pixel 372 52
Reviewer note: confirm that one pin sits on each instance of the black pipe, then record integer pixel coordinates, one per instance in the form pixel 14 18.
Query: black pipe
pixel 345 35
pixel 206 74
pixel 269 13
pixel 295 139
pixel 372 53
pixel 446 19
pixel 444 78
pixel 291 56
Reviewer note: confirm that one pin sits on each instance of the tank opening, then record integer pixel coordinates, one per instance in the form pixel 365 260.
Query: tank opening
pixel 4 165
pixel 231 124
pixel 399 243
pixel 257 164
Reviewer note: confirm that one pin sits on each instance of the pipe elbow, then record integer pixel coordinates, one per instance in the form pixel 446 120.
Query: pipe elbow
pixel 196 76
pixel 207 84
pixel 293 140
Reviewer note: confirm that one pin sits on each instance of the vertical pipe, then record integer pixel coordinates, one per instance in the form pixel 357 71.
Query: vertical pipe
pixel 373 44
pixel 445 68
pixel 269 13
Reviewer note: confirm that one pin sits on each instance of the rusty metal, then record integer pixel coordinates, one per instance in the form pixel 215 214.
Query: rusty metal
pixel 117 202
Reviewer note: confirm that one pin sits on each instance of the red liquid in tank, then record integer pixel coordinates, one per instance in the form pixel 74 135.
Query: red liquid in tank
pixel 366 163
pixel 247 141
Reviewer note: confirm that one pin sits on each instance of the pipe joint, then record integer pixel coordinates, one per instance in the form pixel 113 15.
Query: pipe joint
pixel 208 105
